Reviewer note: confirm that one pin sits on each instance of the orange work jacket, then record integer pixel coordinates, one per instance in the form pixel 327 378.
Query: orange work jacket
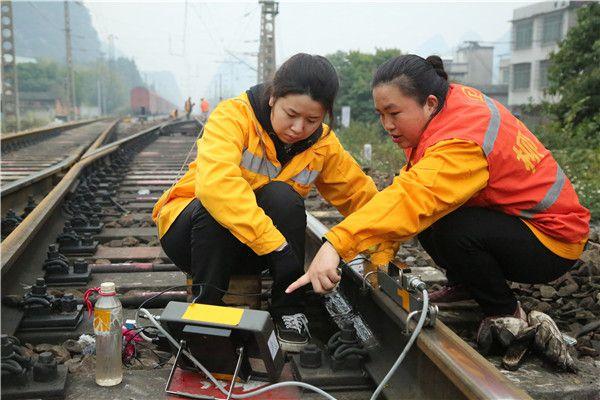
pixel 524 178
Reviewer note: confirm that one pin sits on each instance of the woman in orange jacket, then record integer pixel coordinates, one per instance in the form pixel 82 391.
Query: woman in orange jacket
pixel 240 206
pixel 484 197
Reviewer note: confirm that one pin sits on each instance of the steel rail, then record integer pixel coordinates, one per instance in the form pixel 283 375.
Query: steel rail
pixel 16 243
pixel 56 168
pixel 468 371
pixel 17 136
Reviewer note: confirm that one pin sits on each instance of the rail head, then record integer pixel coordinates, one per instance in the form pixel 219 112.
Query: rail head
pixel 468 370
pixel 75 155
pixel 16 243
pixel 17 136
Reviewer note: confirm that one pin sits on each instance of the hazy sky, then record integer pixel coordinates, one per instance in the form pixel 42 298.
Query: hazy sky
pixel 152 32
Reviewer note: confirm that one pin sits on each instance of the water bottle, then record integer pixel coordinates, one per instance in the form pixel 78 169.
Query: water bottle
pixel 108 319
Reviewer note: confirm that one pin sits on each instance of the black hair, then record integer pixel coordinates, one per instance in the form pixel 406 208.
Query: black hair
pixel 307 74
pixel 415 76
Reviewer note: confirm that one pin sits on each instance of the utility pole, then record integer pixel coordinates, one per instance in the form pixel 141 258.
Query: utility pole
pixel 70 72
pixel 266 51
pixel 10 83
pixel 220 87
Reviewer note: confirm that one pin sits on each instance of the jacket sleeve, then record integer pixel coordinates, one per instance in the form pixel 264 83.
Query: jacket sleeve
pixel 220 186
pixel 448 175
pixel 342 182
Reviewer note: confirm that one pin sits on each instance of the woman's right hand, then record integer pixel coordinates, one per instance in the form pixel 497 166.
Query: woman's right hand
pixel 322 272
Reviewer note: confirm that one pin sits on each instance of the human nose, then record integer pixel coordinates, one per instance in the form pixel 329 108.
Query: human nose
pixel 297 126
pixel 387 123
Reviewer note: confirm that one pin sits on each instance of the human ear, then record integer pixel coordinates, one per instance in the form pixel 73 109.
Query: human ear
pixel 271 101
pixel 431 104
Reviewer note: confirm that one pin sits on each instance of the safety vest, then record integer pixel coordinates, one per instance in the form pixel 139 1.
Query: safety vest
pixel 204 106
pixel 524 178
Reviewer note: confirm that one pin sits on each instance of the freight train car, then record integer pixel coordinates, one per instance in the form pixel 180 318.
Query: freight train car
pixel 145 102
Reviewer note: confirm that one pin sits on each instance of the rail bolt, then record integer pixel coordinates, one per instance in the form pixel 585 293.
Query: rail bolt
pixel 39 288
pixel 68 303
pixel 80 266
pixel 45 369
pixel 6 346
pixel 310 356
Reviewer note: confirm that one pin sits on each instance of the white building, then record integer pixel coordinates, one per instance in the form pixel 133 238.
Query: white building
pixel 536 31
pixel 472 64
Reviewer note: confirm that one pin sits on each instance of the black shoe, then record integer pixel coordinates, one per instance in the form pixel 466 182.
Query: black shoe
pixel 292 332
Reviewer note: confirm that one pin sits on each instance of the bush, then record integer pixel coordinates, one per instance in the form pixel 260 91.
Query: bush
pixel 581 166
pixel 387 157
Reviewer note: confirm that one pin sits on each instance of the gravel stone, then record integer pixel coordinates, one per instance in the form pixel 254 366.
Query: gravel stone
pixel 568 290
pixel 547 292
pixel 130 241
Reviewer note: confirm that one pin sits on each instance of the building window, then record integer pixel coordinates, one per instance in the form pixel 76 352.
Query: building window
pixel 552 28
pixel 521 76
pixel 505 75
pixel 543 74
pixel 523 34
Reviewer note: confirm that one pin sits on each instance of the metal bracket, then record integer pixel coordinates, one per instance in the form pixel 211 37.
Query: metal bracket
pixel 182 344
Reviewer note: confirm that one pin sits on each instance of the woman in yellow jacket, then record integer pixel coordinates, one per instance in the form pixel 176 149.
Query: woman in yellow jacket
pixel 488 202
pixel 240 206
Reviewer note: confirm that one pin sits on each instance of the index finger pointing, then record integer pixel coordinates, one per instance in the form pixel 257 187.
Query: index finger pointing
pixel 303 280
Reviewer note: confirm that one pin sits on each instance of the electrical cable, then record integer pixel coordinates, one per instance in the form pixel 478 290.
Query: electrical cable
pixel 217 383
pixel 378 390
pixel 184 287
pixel 407 347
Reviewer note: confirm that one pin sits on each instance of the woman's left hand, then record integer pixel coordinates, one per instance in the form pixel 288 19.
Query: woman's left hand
pixel 322 272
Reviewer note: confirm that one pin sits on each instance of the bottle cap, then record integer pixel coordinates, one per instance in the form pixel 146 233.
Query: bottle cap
pixel 107 288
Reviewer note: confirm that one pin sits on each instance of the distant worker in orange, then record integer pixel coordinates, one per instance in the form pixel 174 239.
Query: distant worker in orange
pixel 188 107
pixel 174 114
pixel 204 107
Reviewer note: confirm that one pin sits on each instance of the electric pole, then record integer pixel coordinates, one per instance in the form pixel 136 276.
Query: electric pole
pixel 266 51
pixel 10 85
pixel 70 72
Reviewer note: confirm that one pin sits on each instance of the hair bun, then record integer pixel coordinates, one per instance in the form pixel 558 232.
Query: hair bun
pixel 437 64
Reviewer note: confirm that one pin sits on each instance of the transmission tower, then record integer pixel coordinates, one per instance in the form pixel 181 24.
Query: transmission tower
pixel 70 72
pixel 10 92
pixel 266 51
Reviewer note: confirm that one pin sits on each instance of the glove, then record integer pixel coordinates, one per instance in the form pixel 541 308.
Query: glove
pixel 549 341
pixel 499 330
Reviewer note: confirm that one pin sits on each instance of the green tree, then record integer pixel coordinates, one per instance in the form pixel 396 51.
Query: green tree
pixel 356 71
pixel 574 75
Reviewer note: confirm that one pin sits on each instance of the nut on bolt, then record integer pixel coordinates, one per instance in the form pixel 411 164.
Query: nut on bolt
pixel 45 369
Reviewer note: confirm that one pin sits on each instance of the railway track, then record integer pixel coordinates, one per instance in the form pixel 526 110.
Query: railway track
pixel 33 161
pixel 99 218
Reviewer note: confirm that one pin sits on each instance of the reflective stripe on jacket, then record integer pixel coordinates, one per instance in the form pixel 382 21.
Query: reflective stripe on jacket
pixel 525 180
pixel 236 157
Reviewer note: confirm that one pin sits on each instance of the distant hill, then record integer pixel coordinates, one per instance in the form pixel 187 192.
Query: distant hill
pixel 39 31
pixel 434 45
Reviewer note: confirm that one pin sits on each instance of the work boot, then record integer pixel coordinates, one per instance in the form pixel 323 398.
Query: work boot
pixel 292 332
pixel 450 294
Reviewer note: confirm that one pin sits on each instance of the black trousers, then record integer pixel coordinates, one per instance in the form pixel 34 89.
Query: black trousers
pixel 200 246
pixel 482 249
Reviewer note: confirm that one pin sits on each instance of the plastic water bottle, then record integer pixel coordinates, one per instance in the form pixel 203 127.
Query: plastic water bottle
pixel 108 319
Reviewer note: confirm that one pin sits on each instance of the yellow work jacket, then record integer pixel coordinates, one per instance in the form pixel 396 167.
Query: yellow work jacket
pixel 236 156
